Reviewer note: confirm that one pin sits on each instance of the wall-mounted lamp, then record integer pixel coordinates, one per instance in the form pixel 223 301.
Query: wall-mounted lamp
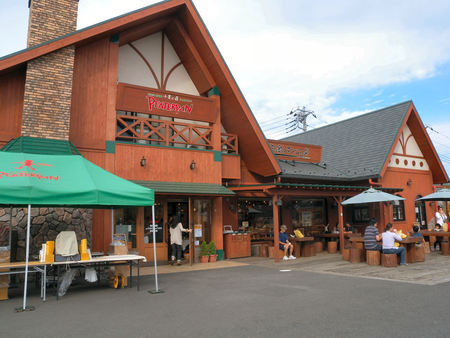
pixel 409 182
pixel 143 161
pixel 192 165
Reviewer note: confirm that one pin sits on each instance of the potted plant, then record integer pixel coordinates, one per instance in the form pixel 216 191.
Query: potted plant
pixel 204 252
pixel 212 251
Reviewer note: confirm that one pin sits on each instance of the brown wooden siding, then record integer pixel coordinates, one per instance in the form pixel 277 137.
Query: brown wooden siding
pixel 12 86
pixel 90 95
pixel 231 167
pixel 166 164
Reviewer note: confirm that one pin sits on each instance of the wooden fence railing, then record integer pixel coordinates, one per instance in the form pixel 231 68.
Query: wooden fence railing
pixel 145 130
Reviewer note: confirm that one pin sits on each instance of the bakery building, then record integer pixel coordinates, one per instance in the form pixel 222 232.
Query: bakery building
pixel 147 96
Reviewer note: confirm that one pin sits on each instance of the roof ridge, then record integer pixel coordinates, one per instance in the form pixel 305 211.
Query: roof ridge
pixel 349 119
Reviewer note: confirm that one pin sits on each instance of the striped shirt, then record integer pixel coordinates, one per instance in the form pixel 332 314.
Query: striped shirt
pixel 370 241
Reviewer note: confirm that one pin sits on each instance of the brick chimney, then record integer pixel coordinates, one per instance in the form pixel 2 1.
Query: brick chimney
pixel 48 86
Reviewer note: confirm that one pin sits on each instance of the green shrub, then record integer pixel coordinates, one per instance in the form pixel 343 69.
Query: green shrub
pixel 204 249
pixel 212 248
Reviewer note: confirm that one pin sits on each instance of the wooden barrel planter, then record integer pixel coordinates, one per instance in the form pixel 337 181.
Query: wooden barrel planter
pixel 264 250
pixel 420 254
pixel 318 246
pixel 332 247
pixel 445 248
pixel 373 257
pixel 346 254
pixel 356 255
pixel 308 250
pixel 389 260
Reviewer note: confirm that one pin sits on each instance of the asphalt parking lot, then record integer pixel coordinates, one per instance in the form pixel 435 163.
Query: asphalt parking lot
pixel 245 301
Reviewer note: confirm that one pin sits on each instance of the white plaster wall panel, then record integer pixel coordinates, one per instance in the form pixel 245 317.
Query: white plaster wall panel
pixel 407 162
pixel 179 81
pixel 398 148
pixel 133 70
pixel 170 56
pixel 412 148
pixel 150 48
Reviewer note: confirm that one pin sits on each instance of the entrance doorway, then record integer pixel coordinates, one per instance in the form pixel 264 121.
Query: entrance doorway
pixel 180 209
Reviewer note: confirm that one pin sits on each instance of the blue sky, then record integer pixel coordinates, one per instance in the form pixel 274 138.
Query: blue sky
pixel 337 58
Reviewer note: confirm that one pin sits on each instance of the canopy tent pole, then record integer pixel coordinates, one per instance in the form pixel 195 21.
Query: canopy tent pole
pixel 112 226
pixel 157 290
pixel 154 248
pixel 26 258
pixel 10 229
pixel 10 239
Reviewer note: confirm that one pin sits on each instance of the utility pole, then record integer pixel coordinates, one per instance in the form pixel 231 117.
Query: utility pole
pixel 300 115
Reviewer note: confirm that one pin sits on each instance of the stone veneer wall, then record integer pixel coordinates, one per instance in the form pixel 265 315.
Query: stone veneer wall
pixel 46 223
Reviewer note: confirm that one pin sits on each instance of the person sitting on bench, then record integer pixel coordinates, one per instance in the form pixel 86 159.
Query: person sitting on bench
pixel 284 243
pixel 371 236
pixel 389 237
pixel 417 234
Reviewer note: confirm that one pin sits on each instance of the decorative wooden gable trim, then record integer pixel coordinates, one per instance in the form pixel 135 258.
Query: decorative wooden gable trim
pixel 407 154
pixel 413 122
pixel 190 57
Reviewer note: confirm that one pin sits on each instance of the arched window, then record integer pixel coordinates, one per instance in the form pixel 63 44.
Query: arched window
pixel 399 210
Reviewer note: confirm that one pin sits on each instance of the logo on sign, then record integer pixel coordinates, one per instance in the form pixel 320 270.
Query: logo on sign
pixel 32 166
pixel 153 103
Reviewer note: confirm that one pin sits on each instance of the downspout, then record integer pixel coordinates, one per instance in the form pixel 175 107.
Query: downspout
pixel 378 184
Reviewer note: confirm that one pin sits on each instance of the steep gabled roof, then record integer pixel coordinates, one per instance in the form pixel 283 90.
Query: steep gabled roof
pixel 352 149
pixel 359 148
pixel 181 21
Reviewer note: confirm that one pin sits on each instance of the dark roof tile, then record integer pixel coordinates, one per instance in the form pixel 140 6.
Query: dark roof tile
pixel 353 149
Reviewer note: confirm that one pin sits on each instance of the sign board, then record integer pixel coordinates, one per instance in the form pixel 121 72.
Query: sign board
pixel 296 151
pixel 197 230
pixel 159 234
pixel 151 101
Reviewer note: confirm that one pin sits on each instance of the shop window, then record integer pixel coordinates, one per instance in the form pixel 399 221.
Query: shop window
pixel 360 214
pixel 399 210
pixel 307 213
pixel 159 224
pixel 125 223
pixel 255 215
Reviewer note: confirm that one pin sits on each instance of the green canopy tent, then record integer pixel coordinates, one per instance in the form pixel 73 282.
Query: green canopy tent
pixel 28 179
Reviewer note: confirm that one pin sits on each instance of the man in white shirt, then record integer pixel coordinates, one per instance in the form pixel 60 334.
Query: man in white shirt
pixel 389 237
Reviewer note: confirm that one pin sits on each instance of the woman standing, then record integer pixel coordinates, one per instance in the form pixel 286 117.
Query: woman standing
pixel 441 217
pixel 176 228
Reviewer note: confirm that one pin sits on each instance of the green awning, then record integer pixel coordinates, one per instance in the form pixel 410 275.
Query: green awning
pixel 36 145
pixel 64 180
pixel 186 188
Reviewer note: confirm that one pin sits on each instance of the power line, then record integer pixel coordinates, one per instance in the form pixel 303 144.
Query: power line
pixel 431 128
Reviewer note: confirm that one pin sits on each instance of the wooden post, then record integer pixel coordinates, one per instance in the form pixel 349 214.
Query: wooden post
pixel 191 234
pixel 216 224
pixel 339 200
pixel 276 229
